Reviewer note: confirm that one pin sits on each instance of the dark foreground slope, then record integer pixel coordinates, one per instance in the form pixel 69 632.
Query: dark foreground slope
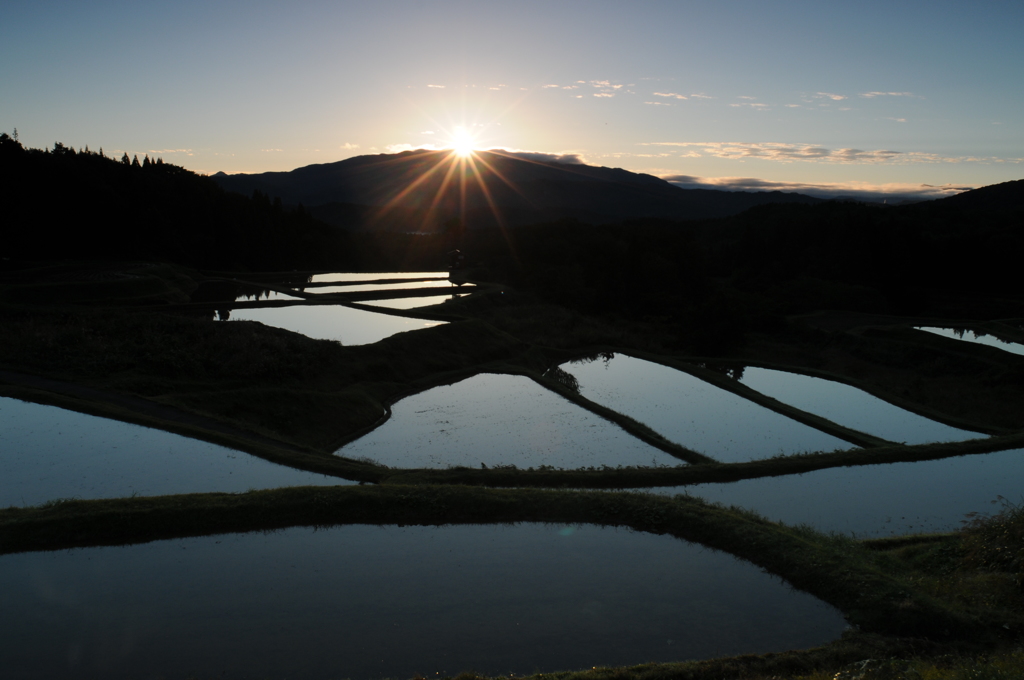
pixel 60 203
pixel 422 190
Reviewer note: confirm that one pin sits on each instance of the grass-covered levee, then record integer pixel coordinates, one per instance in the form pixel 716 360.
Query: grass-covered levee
pixel 135 339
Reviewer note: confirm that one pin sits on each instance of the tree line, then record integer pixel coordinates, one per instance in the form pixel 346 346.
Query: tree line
pixel 61 203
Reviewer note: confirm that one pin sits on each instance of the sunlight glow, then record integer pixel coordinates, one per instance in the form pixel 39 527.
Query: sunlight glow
pixel 462 142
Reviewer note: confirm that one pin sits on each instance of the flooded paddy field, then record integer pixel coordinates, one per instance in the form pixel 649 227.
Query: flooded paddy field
pixel 872 501
pixel 411 303
pixel 332 322
pixel 696 414
pixel 345 324
pixel 372 602
pixel 851 407
pixel 496 420
pixel 384 287
pixel 396 601
pixel 973 336
pixel 51 453
pixel 348 277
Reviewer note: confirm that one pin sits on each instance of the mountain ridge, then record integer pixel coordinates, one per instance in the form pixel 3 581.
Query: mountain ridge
pixel 430 188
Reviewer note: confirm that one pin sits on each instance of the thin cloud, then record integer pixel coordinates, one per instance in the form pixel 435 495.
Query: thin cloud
pixel 187 152
pixel 544 87
pixel 440 87
pixel 753 105
pixel 814 153
pixel 399 148
pixel 543 156
pixel 861 191
pixel 833 97
pixel 271 149
pixel 658 103
pixel 671 95
pixel 701 96
pixel 871 95
pixel 604 94
pixel 349 146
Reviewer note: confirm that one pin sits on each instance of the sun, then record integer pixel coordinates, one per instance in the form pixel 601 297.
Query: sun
pixel 462 142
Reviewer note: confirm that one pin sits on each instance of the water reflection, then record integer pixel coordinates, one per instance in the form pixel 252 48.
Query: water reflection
pixel 48 453
pixel 973 336
pixel 410 303
pixel 851 407
pixel 374 276
pixel 333 322
pixel 499 420
pixel 694 413
pixel 370 288
pixel 371 602
pixel 878 500
pixel 265 294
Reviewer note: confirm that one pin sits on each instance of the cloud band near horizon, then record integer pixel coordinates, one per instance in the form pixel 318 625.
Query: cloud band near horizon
pixel 788 152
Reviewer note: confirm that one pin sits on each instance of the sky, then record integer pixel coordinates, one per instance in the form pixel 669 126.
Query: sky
pixel 869 96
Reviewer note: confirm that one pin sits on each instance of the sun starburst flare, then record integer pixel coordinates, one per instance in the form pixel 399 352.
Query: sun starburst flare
pixel 463 142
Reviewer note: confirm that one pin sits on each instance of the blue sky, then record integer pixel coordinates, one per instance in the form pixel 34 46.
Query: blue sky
pixel 788 94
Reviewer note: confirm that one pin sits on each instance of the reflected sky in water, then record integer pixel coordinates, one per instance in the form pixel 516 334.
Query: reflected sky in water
pixel 374 276
pixel 851 407
pixel 370 602
pixel 499 420
pixel 409 303
pixel 387 286
pixel 266 295
pixel 48 453
pixel 694 413
pixel 332 322
pixel 879 500
pixel 971 336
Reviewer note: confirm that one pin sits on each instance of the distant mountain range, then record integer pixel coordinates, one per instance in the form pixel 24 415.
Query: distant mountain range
pixel 425 190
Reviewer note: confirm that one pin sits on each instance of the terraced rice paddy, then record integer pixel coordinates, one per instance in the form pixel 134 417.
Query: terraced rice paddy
pixel 696 414
pixel 392 602
pixel 849 406
pixel 496 420
pixel 332 322
pixel 51 453
pixel 979 338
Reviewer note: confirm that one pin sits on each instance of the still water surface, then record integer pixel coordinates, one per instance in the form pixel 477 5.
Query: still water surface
pixel 499 420
pixel 370 602
pixel 387 286
pixel 409 303
pixel 879 500
pixel 694 413
pixel 374 276
pixel 265 295
pixel 332 322
pixel 970 336
pixel 48 453
pixel 852 407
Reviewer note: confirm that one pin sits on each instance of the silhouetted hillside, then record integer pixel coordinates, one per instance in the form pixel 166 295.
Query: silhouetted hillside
pixel 84 205
pixel 1003 196
pixel 422 190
